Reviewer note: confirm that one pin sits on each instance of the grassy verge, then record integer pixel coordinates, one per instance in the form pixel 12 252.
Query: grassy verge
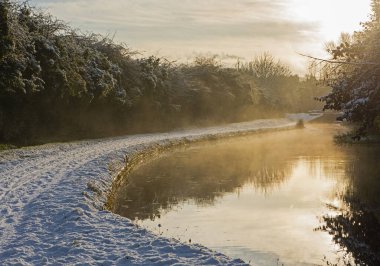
pixel 7 147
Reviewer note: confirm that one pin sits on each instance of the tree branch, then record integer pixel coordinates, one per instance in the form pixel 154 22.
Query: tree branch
pixel 339 61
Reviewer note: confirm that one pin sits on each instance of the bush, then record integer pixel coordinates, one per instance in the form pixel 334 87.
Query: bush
pixel 59 84
pixel 353 73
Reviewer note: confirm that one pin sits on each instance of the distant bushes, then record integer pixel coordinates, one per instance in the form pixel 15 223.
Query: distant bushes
pixel 58 84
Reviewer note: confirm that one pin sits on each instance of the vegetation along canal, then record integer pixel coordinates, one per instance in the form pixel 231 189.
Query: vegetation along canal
pixel 291 197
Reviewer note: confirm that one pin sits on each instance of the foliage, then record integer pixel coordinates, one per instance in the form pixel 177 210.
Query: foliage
pixel 265 67
pixel 57 83
pixel 354 73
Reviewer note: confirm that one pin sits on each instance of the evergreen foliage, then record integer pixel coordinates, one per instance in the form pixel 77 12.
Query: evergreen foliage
pixel 57 83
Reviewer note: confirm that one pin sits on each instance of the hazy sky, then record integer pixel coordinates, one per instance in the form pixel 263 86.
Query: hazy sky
pixel 178 29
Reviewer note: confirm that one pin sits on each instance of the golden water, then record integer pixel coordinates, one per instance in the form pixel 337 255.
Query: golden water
pixel 258 198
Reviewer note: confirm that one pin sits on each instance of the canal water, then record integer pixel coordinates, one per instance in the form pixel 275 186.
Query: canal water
pixel 281 198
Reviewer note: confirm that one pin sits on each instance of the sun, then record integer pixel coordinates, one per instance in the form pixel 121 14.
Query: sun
pixel 332 16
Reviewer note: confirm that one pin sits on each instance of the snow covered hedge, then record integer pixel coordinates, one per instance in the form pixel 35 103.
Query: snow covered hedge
pixel 354 74
pixel 57 83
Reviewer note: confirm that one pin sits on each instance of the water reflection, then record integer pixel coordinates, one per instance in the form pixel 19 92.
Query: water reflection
pixel 355 226
pixel 199 174
pixel 259 198
pixel 203 174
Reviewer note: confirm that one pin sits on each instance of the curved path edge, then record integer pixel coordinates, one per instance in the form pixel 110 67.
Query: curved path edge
pixel 52 200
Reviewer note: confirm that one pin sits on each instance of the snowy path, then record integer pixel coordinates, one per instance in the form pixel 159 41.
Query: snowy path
pixel 49 216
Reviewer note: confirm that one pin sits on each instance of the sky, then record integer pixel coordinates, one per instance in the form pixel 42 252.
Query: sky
pixel 182 29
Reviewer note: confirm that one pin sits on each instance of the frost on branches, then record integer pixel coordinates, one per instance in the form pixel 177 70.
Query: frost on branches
pixel 354 75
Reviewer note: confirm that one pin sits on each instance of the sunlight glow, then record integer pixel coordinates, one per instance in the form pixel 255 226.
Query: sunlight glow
pixel 180 29
pixel 334 16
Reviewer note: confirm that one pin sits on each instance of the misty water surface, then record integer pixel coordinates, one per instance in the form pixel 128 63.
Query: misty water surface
pixel 289 197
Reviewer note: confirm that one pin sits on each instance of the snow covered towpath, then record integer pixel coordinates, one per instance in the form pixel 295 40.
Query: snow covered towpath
pixel 51 200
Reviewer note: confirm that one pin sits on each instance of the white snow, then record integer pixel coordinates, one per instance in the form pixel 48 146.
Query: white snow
pixel 50 214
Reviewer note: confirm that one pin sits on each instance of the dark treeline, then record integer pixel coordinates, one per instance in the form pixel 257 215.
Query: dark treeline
pixel 57 84
pixel 354 75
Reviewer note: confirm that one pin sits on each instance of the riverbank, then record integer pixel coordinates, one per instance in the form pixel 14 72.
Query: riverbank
pixel 52 202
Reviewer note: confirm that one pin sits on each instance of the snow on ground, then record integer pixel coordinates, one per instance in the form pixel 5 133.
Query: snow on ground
pixel 50 214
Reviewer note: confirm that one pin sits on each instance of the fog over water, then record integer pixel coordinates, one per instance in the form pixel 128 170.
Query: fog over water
pixel 264 198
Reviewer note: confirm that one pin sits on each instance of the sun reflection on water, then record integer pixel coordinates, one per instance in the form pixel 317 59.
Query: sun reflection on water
pixel 259 198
